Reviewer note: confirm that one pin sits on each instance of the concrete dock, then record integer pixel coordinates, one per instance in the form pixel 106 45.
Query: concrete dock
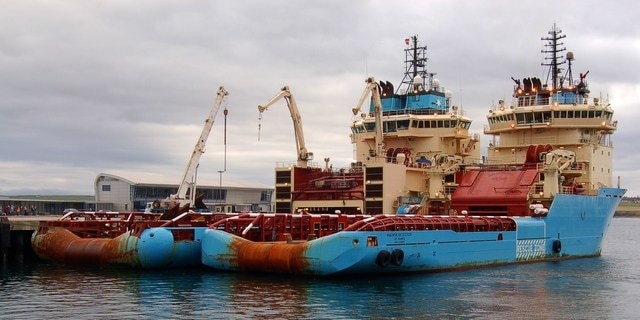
pixel 15 237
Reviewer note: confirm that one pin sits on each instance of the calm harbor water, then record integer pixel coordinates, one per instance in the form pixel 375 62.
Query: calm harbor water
pixel 607 287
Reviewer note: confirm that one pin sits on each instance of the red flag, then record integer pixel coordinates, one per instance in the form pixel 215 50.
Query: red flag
pixel 407 41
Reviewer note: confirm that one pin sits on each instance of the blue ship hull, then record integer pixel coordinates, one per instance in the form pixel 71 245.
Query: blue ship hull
pixel 156 247
pixel 574 227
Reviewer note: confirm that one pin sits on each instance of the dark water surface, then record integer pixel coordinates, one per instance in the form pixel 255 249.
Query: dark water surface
pixel 607 287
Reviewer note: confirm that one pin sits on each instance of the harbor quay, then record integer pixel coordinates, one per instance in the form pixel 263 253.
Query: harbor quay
pixel 15 237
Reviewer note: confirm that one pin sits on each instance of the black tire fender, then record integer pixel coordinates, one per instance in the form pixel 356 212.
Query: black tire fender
pixel 383 258
pixel 397 257
pixel 556 246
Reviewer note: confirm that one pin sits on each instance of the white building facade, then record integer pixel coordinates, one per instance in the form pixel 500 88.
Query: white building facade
pixel 131 192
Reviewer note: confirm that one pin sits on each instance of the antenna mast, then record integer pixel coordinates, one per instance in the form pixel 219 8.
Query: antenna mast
pixel 553 48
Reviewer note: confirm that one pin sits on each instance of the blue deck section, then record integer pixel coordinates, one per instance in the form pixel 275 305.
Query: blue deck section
pixel 432 100
pixel 426 101
pixel 389 104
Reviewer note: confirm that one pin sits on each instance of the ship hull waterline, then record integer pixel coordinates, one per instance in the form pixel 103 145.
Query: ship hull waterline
pixel 575 227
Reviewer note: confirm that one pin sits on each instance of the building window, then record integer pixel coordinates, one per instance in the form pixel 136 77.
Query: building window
pixel 153 192
pixel 265 196
pixel 214 194
pixel 106 187
pixel 220 194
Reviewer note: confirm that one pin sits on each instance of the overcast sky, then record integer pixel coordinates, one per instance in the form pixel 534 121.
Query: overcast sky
pixel 125 86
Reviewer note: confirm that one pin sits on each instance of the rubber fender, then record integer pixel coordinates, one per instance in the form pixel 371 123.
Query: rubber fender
pixel 556 246
pixel 397 257
pixel 383 258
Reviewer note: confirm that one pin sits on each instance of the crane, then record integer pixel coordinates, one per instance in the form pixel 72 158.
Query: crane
pixel 303 154
pixel 372 87
pixel 188 179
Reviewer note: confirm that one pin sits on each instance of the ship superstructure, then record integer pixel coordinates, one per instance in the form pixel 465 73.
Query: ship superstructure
pixel 407 146
pixel 558 114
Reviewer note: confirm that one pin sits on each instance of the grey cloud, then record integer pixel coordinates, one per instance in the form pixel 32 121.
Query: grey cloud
pixel 89 87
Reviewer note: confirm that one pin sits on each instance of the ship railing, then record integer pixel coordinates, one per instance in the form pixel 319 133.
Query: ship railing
pixel 530 141
pixel 546 98
pixel 574 189
pixel 577 166
pixel 416 223
pixel 279 227
pixel 108 215
pixel 291 164
pixel 418 165
pixel 537 188
pixel 419 112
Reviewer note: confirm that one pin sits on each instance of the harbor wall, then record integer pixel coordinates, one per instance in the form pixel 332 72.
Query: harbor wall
pixel 15 238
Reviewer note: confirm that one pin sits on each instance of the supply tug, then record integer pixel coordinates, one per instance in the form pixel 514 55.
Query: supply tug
pixel 542 193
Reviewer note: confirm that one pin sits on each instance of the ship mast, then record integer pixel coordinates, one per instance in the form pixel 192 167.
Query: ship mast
pixel 415 66
pixel 553 48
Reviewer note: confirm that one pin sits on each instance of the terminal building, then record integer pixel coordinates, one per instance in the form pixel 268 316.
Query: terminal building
pixel 131 192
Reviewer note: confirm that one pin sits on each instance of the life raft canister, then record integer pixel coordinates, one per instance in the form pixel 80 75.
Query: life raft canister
pixel 556 246
pixel 383 258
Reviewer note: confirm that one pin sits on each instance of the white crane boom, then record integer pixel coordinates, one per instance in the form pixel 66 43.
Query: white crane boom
pixel 372 87
pixel 303 154
pixel 188 177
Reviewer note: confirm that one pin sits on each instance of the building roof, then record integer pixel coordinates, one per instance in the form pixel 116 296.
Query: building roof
pixel 51 198
pixel 203 181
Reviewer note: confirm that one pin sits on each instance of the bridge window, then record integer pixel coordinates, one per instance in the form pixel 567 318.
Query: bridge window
pixel 390 126
pixel 358 129
pixel 370 126
pixel 403 124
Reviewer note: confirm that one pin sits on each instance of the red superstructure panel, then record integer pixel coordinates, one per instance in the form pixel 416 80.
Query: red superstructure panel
pixel 499 192
pixel 317 184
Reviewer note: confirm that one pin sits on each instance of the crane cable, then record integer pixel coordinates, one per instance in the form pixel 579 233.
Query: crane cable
pixel 259 124
pixel 225 112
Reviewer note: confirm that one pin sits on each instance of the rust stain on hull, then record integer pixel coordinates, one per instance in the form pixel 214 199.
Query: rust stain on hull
pixel 63 246
pixel 277 257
